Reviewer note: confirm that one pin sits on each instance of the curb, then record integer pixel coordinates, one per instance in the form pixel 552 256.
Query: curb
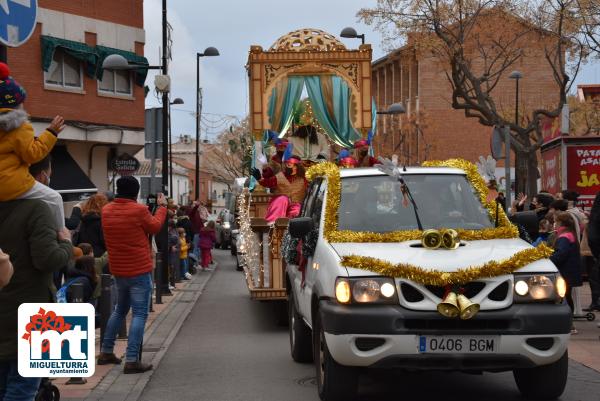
pixel 134 390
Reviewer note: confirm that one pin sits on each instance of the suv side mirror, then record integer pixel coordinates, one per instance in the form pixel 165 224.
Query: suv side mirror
pixel 300 226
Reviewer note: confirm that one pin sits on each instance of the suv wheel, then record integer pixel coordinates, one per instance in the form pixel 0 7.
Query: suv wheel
pixel 335 382
pixel 300 334
pixel 545 382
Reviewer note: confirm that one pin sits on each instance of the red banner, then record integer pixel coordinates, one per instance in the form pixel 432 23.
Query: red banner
pixel 550 128
pixel 583 171
pixel 551 170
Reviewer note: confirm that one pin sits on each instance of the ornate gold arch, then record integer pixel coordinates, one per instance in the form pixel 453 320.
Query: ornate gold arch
pixel 308 52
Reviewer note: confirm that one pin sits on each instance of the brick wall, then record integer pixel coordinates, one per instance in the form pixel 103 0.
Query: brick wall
pixel 90 107
pixel 126 12
pixel 447 132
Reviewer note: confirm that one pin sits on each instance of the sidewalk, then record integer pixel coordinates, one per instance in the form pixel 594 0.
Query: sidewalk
pixel 161 326
pixel 585 346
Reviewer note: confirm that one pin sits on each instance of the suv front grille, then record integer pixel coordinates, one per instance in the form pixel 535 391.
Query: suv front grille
pixel 490 294
pixel 469 290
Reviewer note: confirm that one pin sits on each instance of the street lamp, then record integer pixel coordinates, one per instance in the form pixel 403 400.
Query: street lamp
pixel 208 52
pixel 350 32
pixel 394 109
pixel 516 75
pixel 177 100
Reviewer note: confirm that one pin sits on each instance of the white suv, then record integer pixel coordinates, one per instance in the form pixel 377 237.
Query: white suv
pixel 345 318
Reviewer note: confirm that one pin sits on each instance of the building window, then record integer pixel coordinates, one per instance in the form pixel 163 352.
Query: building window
pixel 116 83
pixel 65 71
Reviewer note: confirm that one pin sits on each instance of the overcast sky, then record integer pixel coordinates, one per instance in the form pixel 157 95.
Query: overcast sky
pixel 233 26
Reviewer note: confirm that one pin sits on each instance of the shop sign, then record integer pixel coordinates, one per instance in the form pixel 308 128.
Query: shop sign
pixel 126 164
pixel 583 171
pixel 550 128
pixel 551 170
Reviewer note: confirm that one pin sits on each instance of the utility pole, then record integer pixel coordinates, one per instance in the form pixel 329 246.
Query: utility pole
pixel 164 233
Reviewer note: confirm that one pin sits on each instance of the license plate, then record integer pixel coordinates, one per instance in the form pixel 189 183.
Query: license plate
pixel 457 344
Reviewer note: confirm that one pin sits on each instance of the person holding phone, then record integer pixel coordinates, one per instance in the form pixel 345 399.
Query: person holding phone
pixel 126 225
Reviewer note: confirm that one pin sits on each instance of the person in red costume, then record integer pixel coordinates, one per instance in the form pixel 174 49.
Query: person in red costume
pixel 345 159
pixel 289 185
pixel 362 154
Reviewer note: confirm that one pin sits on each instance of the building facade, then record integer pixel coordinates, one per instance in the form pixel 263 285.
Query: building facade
pixel 184 154
pixel 60 67
pixel 431 128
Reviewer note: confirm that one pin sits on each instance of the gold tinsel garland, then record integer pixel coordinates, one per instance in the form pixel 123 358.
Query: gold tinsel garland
pixel 506 229
pixel 332 173
pixel 331 233
pixel 426 276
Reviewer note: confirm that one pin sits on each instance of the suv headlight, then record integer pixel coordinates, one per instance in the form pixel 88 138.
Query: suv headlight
pixel 542 287
pixel 366 290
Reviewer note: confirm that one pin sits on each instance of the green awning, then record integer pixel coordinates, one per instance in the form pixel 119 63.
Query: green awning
pixel 140 73
pixel 80 51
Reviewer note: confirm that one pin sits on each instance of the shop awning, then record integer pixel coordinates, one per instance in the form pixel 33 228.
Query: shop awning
pixel 80 51
pixel 68 178
pixel 140 74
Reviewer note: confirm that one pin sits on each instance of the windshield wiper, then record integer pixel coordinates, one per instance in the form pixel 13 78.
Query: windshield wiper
pixel 405 190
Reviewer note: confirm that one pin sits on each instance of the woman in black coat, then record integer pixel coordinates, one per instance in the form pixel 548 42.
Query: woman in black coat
pixel 90 229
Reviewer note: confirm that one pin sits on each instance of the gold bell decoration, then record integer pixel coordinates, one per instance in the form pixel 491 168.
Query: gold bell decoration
pixel 468 308
pixel 457 305
pixel 449 306
pixel 450 239
pixel 431 239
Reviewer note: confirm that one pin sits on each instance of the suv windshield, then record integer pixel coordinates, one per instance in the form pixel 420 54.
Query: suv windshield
pixel 376 204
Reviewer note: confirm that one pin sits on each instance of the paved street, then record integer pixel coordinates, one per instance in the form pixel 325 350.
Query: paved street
pixel 230 348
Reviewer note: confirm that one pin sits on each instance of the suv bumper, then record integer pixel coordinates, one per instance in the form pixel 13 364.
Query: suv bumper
pixel 519 331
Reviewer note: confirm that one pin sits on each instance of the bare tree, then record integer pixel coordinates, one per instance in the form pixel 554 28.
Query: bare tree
pixel 479 42
pixel 589 11
pixel 230 156
pixel 584 116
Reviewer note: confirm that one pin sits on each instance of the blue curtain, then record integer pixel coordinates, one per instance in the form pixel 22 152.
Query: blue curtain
pixel 280 109
pixel 338 125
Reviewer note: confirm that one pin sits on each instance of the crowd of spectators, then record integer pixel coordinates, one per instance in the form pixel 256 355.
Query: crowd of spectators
pixel 572 232
pixel 45 257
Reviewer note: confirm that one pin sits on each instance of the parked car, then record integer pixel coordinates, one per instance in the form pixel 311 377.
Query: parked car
pixel 349 312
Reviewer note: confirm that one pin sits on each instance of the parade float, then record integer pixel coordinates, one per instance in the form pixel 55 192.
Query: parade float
pixel 338 83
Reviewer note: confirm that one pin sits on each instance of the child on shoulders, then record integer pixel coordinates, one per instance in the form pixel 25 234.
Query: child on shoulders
pixel 19 147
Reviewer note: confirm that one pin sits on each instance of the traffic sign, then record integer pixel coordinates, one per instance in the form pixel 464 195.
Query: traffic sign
pixel 17 21
pixel 497 143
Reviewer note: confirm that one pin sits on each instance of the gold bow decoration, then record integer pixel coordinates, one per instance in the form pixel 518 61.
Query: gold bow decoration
pixel 434 239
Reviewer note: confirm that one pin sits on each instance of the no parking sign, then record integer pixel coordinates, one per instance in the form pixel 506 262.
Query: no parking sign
pixel 17 21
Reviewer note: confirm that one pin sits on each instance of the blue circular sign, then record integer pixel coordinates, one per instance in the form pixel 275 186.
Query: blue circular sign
pixel 17 21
